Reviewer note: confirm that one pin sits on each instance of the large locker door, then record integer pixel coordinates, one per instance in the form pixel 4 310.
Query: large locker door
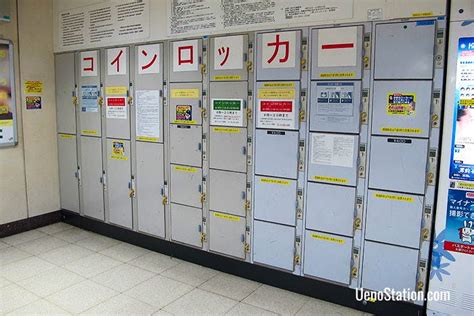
pixel 65 91
pixel 88 73
pixel 150 180
pixel 393 60
pixel 274 245
pixel 398 164
pixel 228 103
pixel 186 60
pixel 227 234
pixel 328 256
pixel 228 58
pixel 387 266
pixel 68 183
pixel 119 182
pixel 186 224
pixel 186 144
pixel 276 153
pixel 186 185
pixel 227 191
pixel 185 103
pixel 117 110
pixel 92 193
pixel 228 148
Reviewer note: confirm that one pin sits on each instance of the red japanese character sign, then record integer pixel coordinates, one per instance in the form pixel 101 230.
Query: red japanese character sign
pixel 228 52
pixel 185 56
pixel 337 47
pixel 89 64
pixel 117 61
pixel 279 50
pixel 148 59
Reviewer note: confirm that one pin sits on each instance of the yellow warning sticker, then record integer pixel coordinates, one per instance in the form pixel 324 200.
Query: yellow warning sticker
pixel 227 216
pixel 401 130
pixel 327 238
pixel 337 75
pixel 185 93
pixel 422 14
pixel 279 84
pixel 276 93
pixel 465 185
pixel 466 102
pixel 226 78
pixel 185 169
pixel 148 139
pixel 226 130
pixel 33 86
pixel 331 179
pixel 88 132
pixel 4 123
pixel 394 197
pixel 118 90
pixel 275 181
pixel 66 136
pixel 118 150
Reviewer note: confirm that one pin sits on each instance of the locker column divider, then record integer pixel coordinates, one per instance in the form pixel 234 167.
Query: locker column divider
pixel 205 142
pixel 166 135
pixel 105 182
pixel 133 135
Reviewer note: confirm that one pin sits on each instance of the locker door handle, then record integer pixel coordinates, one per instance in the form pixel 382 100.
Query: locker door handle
pixel 243 195
pixel 242 238
pixel 200 188
pixel 244 150
pixel 101 180
pixel 200 146
pixel 199 228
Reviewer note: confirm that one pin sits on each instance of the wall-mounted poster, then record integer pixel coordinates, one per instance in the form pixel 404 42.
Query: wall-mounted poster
pixel 8 134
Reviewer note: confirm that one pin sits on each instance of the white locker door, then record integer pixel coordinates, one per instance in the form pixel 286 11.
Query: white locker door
pixel 227 191
pixel 186 185
pixel 92 189
pixel 186 144
pixel 65 90
pixel 227 234
pixel 186 224
pixel 228 148
pixel 68 183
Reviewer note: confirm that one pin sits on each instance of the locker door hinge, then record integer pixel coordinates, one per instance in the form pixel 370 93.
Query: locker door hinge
pixel 249 104
pixel 299 204
pixel 203 231
pixel 358 212
pixel 203 69
pixel 436 111
pixel 362 159
pixel 355 263
pixel 249 151
pixel 426 223
pixel 250 58
pixel 297 258
pixel 304 54
pixel 421 275
pixel 432 166
pixel 74 101
pixel 247 248
pixel 302 113
pixel 100 101
pixel 365 107
pixel 203 113
pixel 301 156
pixel 367 52
pixel 130 100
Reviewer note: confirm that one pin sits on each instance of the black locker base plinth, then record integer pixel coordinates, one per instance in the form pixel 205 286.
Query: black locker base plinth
pixel 318 289
pixel 30 223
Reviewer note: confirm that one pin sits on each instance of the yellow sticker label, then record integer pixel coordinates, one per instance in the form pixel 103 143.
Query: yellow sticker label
pixel 66 136
pixel 3 94
pixel 394 197
pixel 119 90
pixel 118 150
pixel 88 132
pixel 337 75
pixel 227 216
pixel 276 93
pixel 229 78
pixel 421 14
pixel 465 185
pixel 226 130
pixel 148 139
pixel 401 103
pixel 33 86
pixel 279 84
pixel 185 93
pixel 331 179
pixel 4 109
pixel 401 130
pixel 466 102
pixel 192 122
pixel 5 123
pixel 275 181
pixel 327 238
pixel 185 169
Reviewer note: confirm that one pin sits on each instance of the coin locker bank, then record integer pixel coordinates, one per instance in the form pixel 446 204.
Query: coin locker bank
pixel 305 155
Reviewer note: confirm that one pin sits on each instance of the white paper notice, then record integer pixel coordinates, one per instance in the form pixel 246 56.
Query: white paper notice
pixel 227 112
pixel 333 150
pixel 337 47
pixel 279 50
pixel 116 108
pixel 229 52
pixel 117 61
pixel 149 59
pixel 148 114
pixel 185 56
pixel 89 64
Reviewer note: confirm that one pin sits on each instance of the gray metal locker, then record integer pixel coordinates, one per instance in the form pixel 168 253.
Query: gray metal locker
pixel 228 105
pixel 92 189
pixel 279 55
pixel 331 208
pixel 228 57
pixel 404 50
pixel 333 158
pixel 394 218
pixel 185 103
pixel 186 60
pixel 227 234
pixel 186 224
pixel 186 185
pixel 119 183
pixel 328 256
pixel 275 200
pixel 150 182
pixel 276 153
pixel 116 89
pixel 228 148
pixel 274 245
pixel 337 52
pixel 65 91
pixel 88 74
pixel 335 106
pixel 68 171
pixel 186 144
pixel 398 164
pixel 227 191
pixel 402 108
pixel 387 266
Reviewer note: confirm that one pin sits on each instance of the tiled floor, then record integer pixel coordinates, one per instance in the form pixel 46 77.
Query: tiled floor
pixel 63 270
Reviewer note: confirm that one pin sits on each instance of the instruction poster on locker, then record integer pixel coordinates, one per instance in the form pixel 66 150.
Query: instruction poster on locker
pixel 116 108
pixel 7 92
pixel 276 106
pixel 460 222
pixel 335 100
pixel 89 98
pixel 148 114
pixel 462 155
pixel 227 112
pixel 332 150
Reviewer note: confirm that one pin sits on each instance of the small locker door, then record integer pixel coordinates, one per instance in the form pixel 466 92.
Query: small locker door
pixel 65 91
pixel 402 108
pixel 185 103
pixel 279 55
pixel 398 164
pixel 116 82
pixel 186 224
pixel 92 193
pixel 404 50
pixel 228 57
pixel 88 74
pixel 337 53
pixel 328 257
pixel 227 234
pixel 276 153
pixel 228 148
pixel 394 218
pixel 335 106
pixel 68 184
pixel 150 180
pixel 228 103
pixel 333 158
pixel 119 182
pixel 331 208
pixel 387 266
pixel 186 144
pixel 227 191
pixel 274 245
pixel 186 185
pixel 275 200
pixel 186 59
